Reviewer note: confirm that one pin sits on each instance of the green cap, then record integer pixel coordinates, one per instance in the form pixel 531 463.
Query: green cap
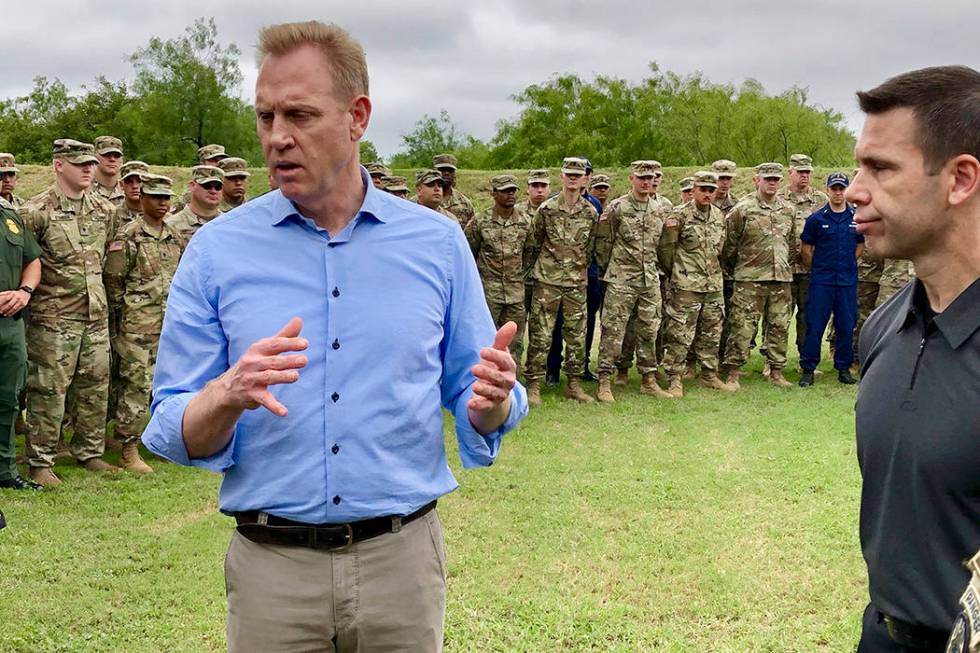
pixel 107 144
pixel 212 151
pixel 643 168
pixel 539 176
pixel 233 166
pixel 503 182
pixel 427 176
pixel 801 162
pixel 599 181
pixel 770 169
pixel 8 163
pixel 706 178
pixel 687 183
pixel 74 151
pixel 573 165
pixel 724 168
pixel 204 174
pixel 157 185
pixel 131 168
pixel 394 183
pixel 444 161
pixel 377 168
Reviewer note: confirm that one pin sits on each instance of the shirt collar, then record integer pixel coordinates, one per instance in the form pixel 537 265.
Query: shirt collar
pixel 372 206
pixel 957 323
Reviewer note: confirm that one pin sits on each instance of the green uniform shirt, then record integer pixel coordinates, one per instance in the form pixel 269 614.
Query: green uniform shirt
pixel 691 246
pixel 562 242
pixel 498 245
pixel 804 204
pixel 869 267
pixel 459 205
pixel 115 195
pixel 896 272
pixel 17 247
pixel 761 243
pixel 727 203
pixel 634 229
pixel 186 222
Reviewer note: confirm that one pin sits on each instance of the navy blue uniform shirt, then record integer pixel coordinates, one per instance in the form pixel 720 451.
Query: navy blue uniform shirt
pixel 834 237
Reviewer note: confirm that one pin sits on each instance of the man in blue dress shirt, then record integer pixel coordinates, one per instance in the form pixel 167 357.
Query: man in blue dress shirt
pixel 830 249
pixel 327 426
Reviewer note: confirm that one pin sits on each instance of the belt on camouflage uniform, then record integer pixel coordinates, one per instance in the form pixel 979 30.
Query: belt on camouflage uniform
pixel 918 638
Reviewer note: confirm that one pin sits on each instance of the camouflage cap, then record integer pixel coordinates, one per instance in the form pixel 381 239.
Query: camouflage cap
pixel 444 161
pixel 657 168
pixel 801 162
pixel 724 168
pixel 377 168
pixel 107 144
pixel 687 183
pixel 706 178
pixel 233 166
pixel 157 185
pixel 204 174
pixel 212 151
pixel 643 168
pixel 395 183
pixel 74 151
pixel 573 165
pixel 503 182
pixel 770 169
pixel 8 163
pixel 599 181
pixel 539 176
pixel 427 176
pixel 131 168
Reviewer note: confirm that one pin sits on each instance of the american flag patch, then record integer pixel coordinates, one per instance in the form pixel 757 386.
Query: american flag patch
pixel 116 246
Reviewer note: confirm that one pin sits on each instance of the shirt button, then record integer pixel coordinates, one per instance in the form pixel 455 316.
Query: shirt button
pixel 335 397
pixel 336 291
pixel 336 499
pixel 336 344
pixel 335 449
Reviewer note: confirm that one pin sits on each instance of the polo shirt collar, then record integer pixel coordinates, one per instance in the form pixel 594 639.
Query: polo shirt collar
pixel 372 206
pixel 957 323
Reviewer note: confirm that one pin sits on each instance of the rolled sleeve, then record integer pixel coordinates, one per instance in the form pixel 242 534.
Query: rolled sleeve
pixel 164 436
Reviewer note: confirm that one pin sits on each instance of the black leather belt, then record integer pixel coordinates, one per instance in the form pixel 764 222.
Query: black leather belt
pixel 263 528
pixel 918 638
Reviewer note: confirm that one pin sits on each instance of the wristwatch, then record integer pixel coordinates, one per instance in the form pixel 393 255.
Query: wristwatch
pixel 27 289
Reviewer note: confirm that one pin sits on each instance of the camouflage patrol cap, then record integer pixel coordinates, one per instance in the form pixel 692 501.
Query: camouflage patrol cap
pixel 131 168
pixel 687 183
pixel 801 162
pixel 573 165
pixel 724 168
pixel 770 169
pixel 657 168
pixel 233 166
pixel 204 174
pixel 643 168
pixel 377 168
pixel 157 185
pixel 427 176
pixel 444 161
pixel 107 144
pixel 539 176
pixel 212 151
pixel 599 181
pixel 395 183
pixel 74 151
pixel 8 163
pixel 706 178
pixel 503 182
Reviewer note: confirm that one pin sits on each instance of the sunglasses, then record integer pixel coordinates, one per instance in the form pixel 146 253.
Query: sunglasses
pixel 212 185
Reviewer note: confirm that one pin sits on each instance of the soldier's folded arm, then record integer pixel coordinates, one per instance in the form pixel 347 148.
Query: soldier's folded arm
pixel 474 236
pixel 668 241
pixel 734 226
pixel 533 242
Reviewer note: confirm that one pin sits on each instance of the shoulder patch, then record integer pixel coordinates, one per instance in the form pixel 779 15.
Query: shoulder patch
pixel 12 226
pixel 116 246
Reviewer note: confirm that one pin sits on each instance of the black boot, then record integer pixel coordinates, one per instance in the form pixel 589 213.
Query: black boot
pixel 807 379
pixel 844 376
pixel 19 483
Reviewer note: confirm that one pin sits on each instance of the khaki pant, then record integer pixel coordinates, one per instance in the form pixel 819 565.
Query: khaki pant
pixel 383 595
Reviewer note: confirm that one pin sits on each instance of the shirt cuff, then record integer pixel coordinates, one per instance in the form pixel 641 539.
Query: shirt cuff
pixel 807 240
pixel 475 449
pixel 164 436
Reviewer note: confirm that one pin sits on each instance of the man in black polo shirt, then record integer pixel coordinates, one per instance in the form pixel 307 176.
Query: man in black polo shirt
pixel 917 196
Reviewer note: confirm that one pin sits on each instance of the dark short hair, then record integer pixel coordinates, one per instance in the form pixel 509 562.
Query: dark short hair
pixel 946 103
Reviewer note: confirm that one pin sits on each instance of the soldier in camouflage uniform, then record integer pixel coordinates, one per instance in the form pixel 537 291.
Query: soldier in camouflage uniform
pixel 429 188
pixel 690 249
pixel 538 189
pixel 869 274
pixel 497 237
pixel 631 280
pixel 235 186
pixel 140 265
pixel 686 187
pixel 68 337
pixel 725 200
pixel 205 199
pixel 108 150
pixel 207 155
pixel 599 188
pixel 760 247
pixel 453 200
pixel 896 273
pixel 8 180
pixel 377 171
pixel 396 185
pixel 560 247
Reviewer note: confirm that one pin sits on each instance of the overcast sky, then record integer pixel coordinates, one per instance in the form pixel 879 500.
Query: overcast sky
pixel 470 57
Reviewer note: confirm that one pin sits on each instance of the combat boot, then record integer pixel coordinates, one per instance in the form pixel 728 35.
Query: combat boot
pixel 711 380
pixel 652 388
pixel 575 391
pixel 622 377
pixel 766 370
pixel 534 392
pixel 605 394
pixel 98 465
pixel 732 375
pixel 777 379
pixel 691 371
pixel 44 476
pixel 130 460
pixel 676 388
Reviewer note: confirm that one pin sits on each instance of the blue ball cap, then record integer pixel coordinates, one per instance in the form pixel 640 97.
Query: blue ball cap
pixel 838 179
pixel 588 165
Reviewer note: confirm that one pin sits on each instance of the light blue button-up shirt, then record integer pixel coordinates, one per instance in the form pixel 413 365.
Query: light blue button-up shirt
pixel 395 316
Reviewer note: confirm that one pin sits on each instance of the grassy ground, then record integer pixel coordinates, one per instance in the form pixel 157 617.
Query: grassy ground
pixel 712 523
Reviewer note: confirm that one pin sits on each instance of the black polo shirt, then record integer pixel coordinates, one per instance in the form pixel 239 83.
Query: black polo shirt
pixel 918 447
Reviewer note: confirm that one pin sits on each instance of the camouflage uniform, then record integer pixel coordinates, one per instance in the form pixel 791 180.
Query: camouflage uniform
pixel 68 337
pixel 185 221
pixel 895 275
pixel 9 164
pixel 690 249
pixel 560 246
pixel 498 245
pixel 139 268
pixel 233 166
pixel 115 194
pixel 525 206
pixel 632 281
pixel 760 247
pixel 459 205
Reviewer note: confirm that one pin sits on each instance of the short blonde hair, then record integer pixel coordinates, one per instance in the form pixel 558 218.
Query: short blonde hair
pixel 348 65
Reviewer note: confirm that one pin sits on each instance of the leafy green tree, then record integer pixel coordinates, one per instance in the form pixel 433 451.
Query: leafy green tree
pixel 369 153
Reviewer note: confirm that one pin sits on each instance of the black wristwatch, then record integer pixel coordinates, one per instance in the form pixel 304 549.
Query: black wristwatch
pixel 27 289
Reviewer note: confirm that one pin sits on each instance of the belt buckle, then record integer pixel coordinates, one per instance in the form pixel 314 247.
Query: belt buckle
pixel 348 539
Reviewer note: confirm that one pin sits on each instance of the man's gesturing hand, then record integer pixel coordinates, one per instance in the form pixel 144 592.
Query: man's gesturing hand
pixel 496 374
pixel 247 382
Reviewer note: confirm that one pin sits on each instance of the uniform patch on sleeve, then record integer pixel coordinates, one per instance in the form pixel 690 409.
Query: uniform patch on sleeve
pixel 116 246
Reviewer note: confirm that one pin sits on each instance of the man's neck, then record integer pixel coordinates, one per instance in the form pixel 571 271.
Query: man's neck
pixel 106 180
pixel 571 197
pixel 838 208
pixel 721 194
pixel 153 223
pixel 504 211
pixel 640 197
pixel 534 205
pixel 68 192
pixel 231 201
pixel 337 207
pixel 766 198
pixel 800 191
pixel 949 269
pixel 133 206
pixel 201 211
pixel 703 209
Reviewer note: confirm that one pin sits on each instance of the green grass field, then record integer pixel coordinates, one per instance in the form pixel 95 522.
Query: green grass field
pixel 711 523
